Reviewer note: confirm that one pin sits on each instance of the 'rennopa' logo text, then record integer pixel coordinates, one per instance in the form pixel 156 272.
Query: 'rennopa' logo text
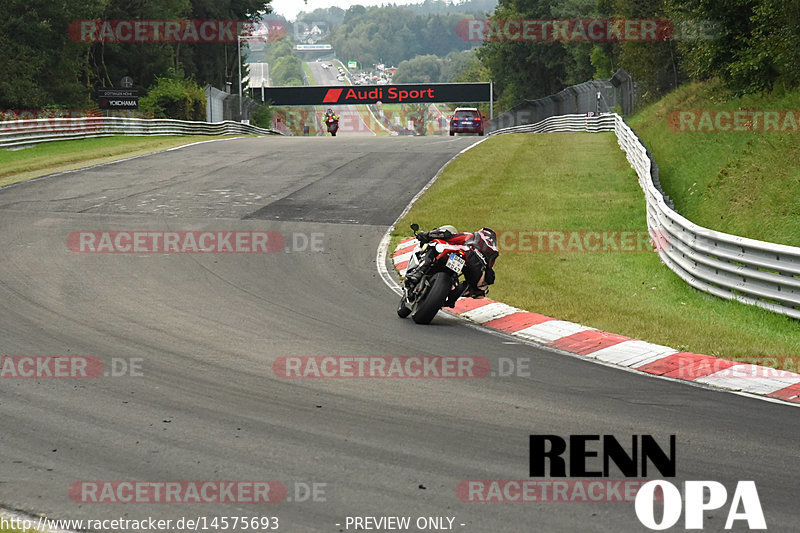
pixel 699 497
pixel 585 451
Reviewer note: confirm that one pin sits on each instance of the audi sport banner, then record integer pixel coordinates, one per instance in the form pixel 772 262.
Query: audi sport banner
pixel 372 94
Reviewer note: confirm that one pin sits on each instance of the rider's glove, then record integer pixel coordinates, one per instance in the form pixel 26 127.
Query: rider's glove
pixel 423 237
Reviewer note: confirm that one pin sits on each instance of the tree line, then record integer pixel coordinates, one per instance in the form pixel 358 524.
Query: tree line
pixel 390 35
pixel 46 66
pixel 750 45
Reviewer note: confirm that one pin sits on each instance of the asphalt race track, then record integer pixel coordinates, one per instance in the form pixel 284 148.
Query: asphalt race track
pixel 205 328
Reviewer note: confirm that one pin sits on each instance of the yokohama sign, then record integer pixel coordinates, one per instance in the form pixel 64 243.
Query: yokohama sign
pixel 372 94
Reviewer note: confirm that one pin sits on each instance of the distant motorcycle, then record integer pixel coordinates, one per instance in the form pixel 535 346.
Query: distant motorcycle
pixel 332 122
pixel 440 286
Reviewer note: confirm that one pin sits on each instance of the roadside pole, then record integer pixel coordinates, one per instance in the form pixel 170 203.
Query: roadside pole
pixel 239 55
pixel 491 100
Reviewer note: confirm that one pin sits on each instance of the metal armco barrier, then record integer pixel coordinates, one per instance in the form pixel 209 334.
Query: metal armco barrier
pixel 596 96
pixel 20 133
pixel 737 268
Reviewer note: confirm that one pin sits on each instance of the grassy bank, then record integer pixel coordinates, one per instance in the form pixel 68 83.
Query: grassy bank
pixel 741 182
pixel 563 182
pixel 59 156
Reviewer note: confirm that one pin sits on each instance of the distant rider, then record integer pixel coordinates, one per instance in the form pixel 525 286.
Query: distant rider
pixel 331 121
pixel 479 270
pixel 330 113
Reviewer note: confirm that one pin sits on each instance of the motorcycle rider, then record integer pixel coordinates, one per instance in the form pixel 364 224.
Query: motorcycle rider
pixel 479 270
pixel 330 115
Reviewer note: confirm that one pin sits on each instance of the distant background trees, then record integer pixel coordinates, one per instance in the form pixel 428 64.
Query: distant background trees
pixel 751 45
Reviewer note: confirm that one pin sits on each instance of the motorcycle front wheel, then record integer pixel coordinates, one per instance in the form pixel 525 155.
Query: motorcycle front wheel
pixel 403 310
pixel 434 300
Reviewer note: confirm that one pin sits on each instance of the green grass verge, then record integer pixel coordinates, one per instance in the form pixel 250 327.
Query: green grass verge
pixel 372 122
pixel 59 156
pixel 310 76
pixel 745 183
pixel 583 182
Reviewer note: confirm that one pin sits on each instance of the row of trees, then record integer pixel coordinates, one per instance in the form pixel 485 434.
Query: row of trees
pixel 285 66
pixel 454 67
pixel 334 16
pixel 45 66
pixel 752 45
pixel 390 35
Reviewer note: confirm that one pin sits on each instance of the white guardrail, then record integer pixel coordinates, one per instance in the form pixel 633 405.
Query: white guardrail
pixel 20 133
pixel 737 268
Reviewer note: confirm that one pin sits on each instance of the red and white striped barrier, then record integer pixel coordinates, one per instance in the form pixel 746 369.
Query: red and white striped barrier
pixel 617 349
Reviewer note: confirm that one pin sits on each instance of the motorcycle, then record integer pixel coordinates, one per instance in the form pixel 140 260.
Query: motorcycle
pixel 440 286
pixel 332 122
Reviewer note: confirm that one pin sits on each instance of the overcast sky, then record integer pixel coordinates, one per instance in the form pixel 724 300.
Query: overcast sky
pixel 290 8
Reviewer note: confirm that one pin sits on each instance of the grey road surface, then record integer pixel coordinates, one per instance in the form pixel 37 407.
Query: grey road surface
pixel 204 330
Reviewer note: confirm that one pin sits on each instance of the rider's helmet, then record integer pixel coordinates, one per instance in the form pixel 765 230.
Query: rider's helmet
pixel 485 241
pixel 447 227
pixel 330 111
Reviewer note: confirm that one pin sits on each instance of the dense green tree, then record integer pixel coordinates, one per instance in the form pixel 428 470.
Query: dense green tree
pixel 42 65
pixel 454 67
pixel 175 97
pixel 421 69
pixel 47 64
pixel 455 64
pixel 142 61
pixel 391 35
pixel 654 65
pixel 749 44
pixel 525 69
pixel 262 116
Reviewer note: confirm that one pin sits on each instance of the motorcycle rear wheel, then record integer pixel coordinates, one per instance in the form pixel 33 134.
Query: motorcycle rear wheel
pixel 433 301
